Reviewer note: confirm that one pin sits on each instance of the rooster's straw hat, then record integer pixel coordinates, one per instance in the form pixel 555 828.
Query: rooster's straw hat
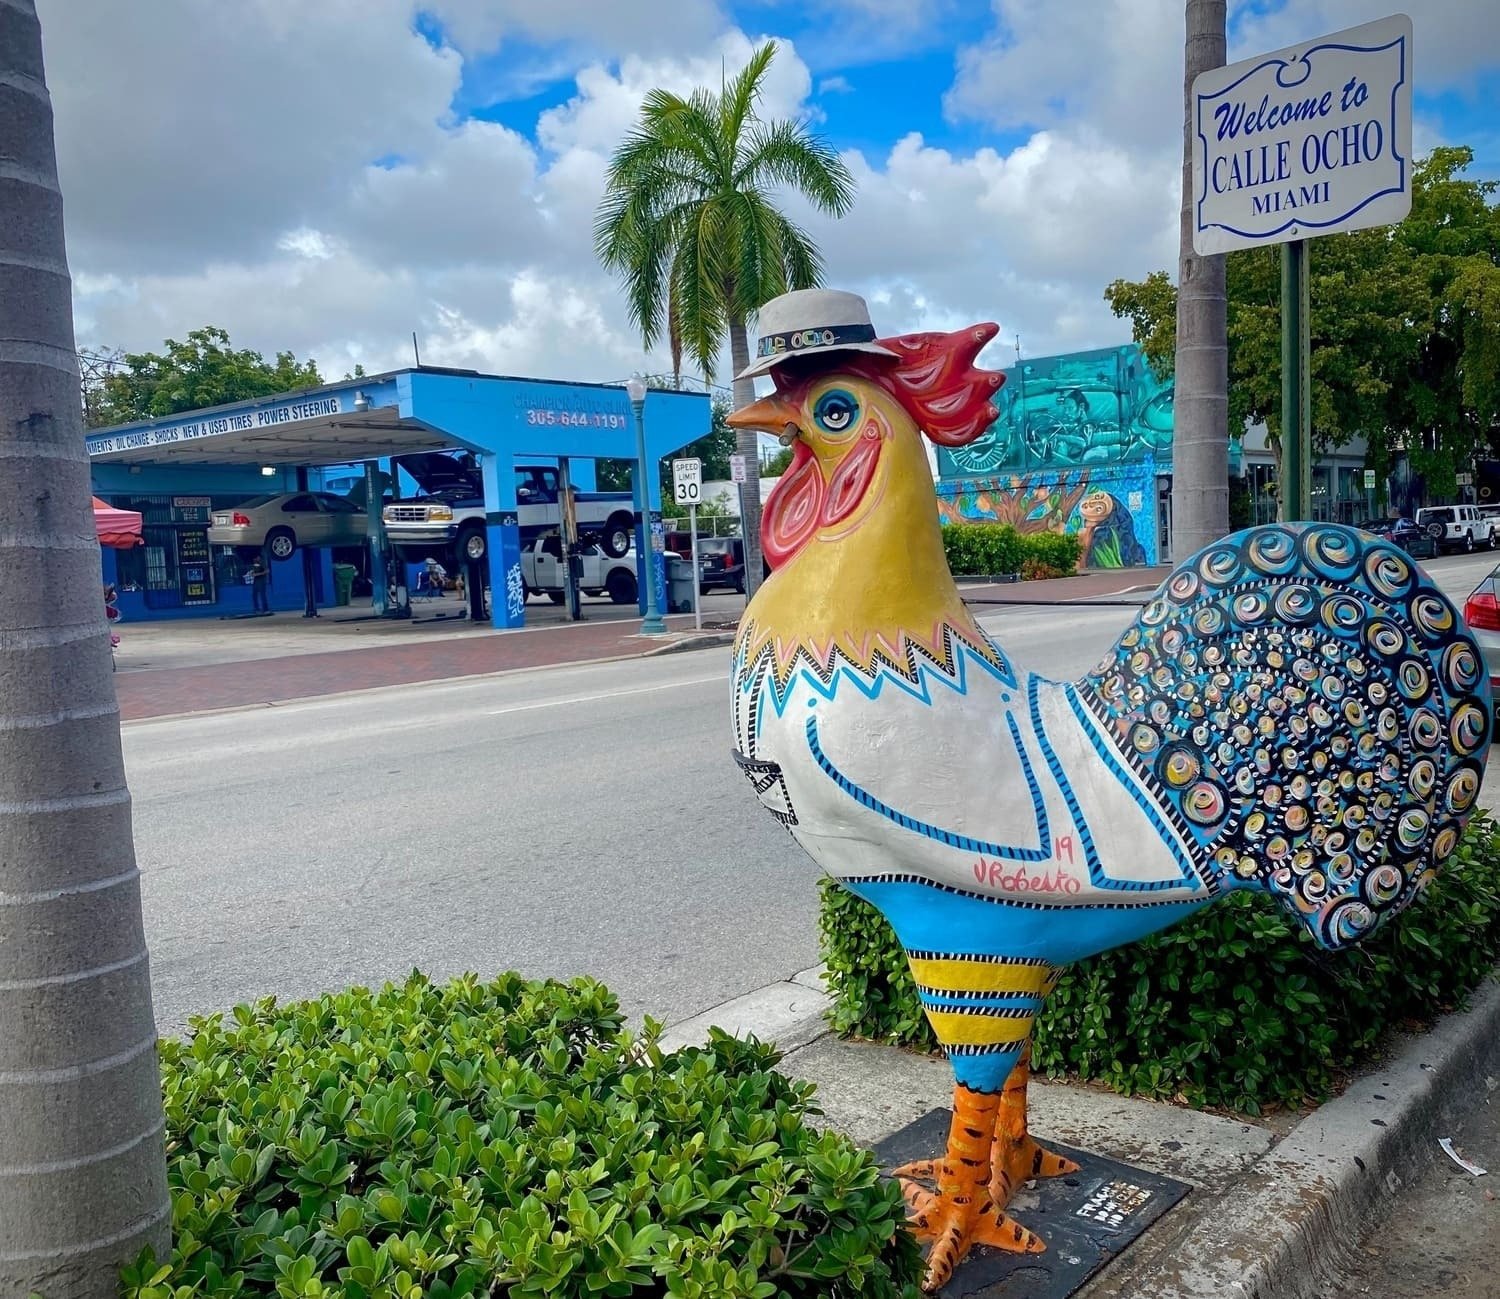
pixel 809 322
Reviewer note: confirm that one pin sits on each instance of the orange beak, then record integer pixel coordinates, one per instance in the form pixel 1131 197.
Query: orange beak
pixel 771 415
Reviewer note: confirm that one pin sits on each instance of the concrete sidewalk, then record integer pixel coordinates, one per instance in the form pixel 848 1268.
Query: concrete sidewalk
pixel 1106 586
pixel 1279 1205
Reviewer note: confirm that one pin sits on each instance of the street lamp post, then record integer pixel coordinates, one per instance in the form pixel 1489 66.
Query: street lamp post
pixel 635 389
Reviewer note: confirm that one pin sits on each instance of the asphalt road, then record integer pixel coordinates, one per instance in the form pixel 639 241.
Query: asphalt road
pixel 1443 1235
pixel 569 821
pixel 577 820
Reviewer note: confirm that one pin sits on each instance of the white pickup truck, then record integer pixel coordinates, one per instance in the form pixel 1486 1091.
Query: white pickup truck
pixel 448 519
pixel 542 571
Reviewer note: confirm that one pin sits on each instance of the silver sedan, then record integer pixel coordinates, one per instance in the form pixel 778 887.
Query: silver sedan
pixel 282 523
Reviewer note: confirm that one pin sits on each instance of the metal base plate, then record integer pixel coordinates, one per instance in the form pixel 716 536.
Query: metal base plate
pixel 1087 1218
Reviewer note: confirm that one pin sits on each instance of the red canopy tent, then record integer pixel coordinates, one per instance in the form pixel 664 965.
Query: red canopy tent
pixel 120 529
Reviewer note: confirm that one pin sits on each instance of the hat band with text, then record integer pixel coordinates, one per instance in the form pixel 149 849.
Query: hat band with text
pixel 816 336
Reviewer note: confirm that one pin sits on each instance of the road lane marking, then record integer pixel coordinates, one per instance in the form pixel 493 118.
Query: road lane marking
pixel 612 694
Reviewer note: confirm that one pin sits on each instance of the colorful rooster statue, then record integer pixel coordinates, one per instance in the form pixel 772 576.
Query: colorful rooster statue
pixel 1297 710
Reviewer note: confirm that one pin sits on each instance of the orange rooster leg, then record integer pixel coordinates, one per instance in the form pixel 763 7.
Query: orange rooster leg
pixel 1016 1158
pixel 962 1213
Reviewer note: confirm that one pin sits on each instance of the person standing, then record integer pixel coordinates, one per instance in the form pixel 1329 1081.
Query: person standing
pixel 258 576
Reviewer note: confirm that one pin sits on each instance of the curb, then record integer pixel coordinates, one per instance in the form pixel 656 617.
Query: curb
pixel 1284 1227
pixel 789 1013
pixel 694 641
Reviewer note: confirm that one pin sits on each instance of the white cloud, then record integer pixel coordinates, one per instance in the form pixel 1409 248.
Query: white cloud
pixel 609 99
pixel 191 128
pixel 618 25
pixel 1451 39
pixel 1112 65
pixel 835 86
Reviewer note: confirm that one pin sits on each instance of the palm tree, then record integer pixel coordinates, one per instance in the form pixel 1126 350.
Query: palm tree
pixel 689 220
pixel 82 1164
pixel 1200 443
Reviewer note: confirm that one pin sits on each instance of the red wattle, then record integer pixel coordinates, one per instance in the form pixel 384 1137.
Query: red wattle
pixel 850 480
pixel 793 508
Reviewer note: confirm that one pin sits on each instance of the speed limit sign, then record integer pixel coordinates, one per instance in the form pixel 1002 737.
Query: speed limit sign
pixel 687 481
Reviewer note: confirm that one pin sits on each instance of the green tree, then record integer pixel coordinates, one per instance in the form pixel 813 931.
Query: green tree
pixel 203 371
pixel 689 221
pixel 83 1181
pixel 1405 328
pixel 714 448
pixel 777 464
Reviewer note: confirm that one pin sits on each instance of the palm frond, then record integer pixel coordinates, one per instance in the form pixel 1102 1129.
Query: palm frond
pixel 737 102
pixel 786 153
pixel 801 262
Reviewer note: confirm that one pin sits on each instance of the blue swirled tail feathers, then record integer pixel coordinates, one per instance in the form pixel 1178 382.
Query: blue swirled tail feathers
pixel 1316 711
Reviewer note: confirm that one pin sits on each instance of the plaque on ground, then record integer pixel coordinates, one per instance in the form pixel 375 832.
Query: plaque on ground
pixel 1087 1218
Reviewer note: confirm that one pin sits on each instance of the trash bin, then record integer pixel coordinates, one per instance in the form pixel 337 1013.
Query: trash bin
pixel 679 584
pixel 343 582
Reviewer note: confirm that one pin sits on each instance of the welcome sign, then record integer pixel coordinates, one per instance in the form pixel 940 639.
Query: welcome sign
pixel 1310 140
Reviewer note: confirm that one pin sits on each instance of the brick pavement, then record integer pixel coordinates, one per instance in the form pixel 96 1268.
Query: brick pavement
pixel 164 692
pixel 167 691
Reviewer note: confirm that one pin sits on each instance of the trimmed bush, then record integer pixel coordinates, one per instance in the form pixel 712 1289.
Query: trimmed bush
pixel 1233 1008
pixel 508 1137
pixel 1053 550
pixel 987 549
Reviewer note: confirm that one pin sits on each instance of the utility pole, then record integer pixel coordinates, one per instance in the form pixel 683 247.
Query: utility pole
pixel 1200 440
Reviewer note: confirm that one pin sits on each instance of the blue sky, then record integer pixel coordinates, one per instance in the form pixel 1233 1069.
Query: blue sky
pixel 383 166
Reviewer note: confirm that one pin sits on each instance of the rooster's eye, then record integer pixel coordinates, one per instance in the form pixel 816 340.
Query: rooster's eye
pixel 835 411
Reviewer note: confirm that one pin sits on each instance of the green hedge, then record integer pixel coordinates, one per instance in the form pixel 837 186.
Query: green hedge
pixel 993 548
pixel 508 1137
pixel 1235 1007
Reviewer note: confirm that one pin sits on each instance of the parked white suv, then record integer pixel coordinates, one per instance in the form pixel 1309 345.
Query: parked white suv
pixel 1456 527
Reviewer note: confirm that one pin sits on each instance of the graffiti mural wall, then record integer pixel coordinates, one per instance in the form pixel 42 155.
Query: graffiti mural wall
pixel 1112 509
pixel 1080 440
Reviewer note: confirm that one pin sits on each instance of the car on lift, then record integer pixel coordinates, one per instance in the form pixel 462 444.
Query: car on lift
pixel 282 523
pixel 600 574
pixel 449 513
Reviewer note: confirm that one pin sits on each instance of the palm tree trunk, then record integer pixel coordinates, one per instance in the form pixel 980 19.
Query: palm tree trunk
pixel 82 1168
pixel 747 443
pixel 1200 451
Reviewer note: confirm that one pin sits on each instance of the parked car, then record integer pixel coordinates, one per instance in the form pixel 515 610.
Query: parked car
pixel 1482 613
pixel 1403 532
pixel 282 523
pixel 721 561
pixel 611 575
pixel 449 515
pixel 1455 527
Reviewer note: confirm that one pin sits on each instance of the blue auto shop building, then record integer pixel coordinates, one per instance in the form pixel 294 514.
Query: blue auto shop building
pixel 180 470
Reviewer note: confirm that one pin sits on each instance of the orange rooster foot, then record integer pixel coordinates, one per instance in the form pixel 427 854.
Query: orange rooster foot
pixel 954 1225
pixel 1015 1164
pixel 923 1170
pixel 1015 1156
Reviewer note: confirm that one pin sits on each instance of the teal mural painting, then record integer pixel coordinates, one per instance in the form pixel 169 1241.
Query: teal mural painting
pixel 1103 407
pixel 1080 440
